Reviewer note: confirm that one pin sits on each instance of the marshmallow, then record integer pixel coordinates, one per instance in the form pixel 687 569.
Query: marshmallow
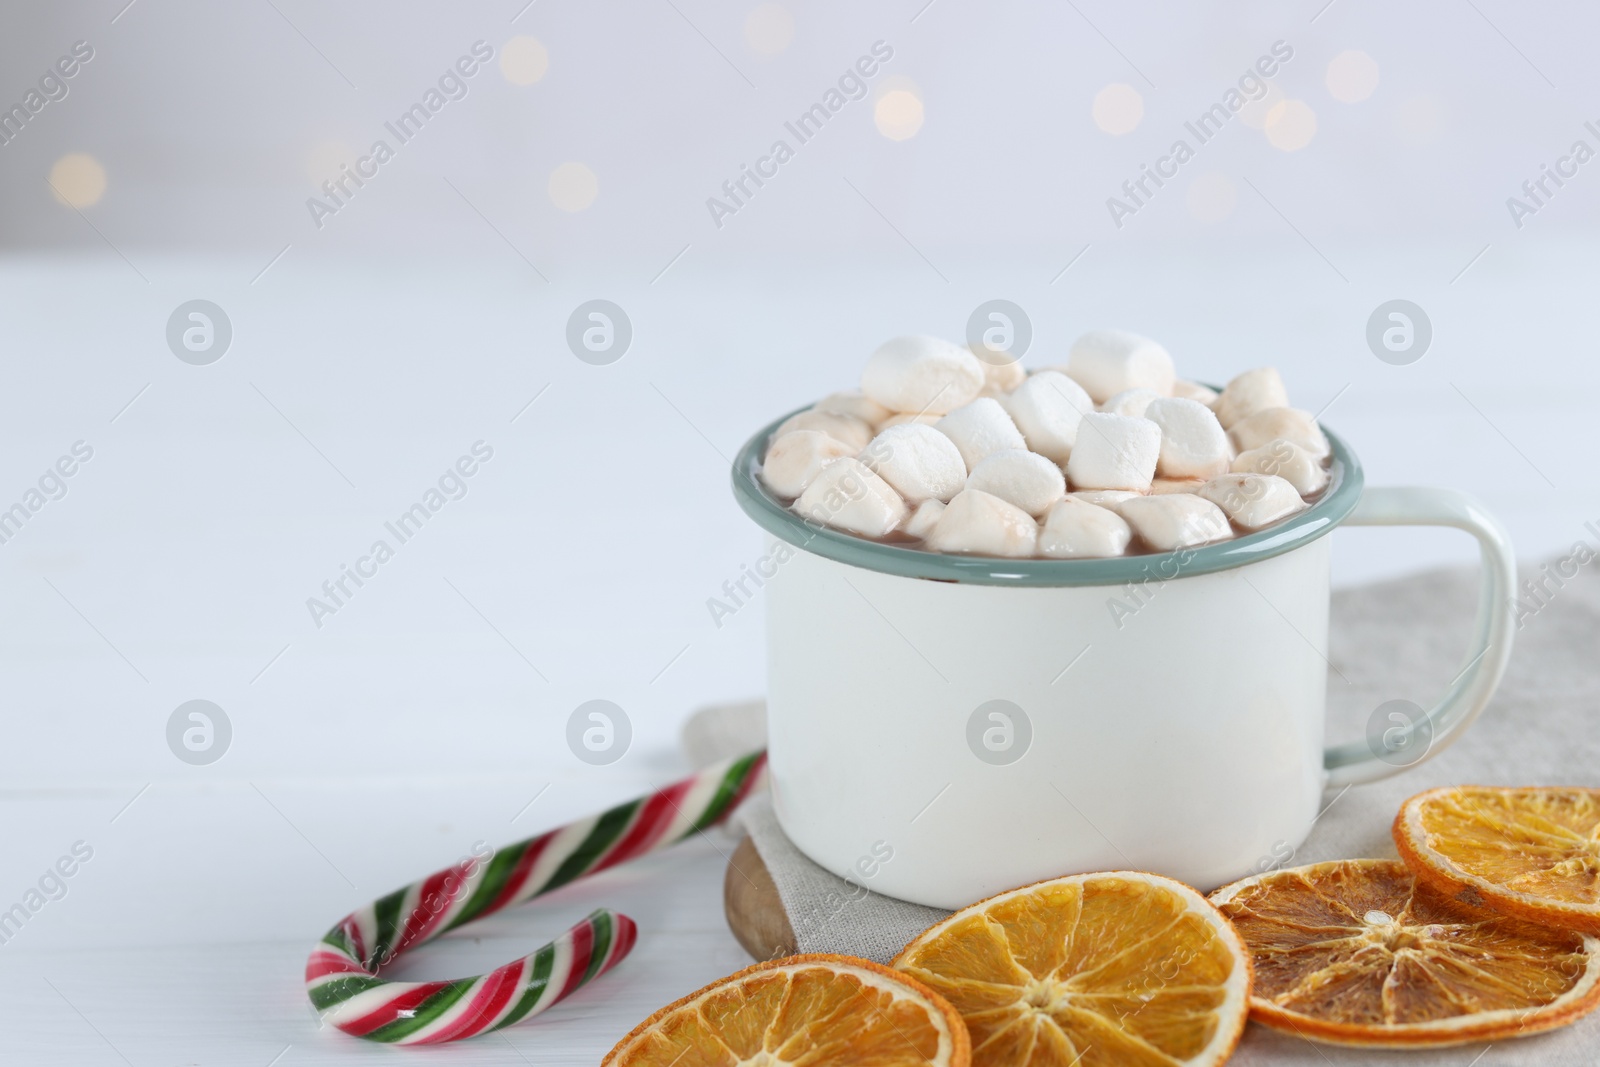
pixel 848 496
pixel 1253 500
pixel 794 460
pixel 847 428
pixel 1020 477
pixel 959 449
pixel 1075 530
pixel 1130 402
pixel 1195 391
pixel 918 461
pixel 1047 408
pixel 1002 372
pixel 858 405
pixel 1250 392
pixel 1105 362
pixel 1105 498
pixel 922 521
pixel 1114 452
pixel 904 418
pixel 1193 442
pixel 922 375
pixel 1176 520
pixel 980 429
pixel 975 521
pixel 1291 424
pixel 1288 461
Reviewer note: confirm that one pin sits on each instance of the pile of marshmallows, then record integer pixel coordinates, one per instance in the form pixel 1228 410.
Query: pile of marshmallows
pixel 1109 453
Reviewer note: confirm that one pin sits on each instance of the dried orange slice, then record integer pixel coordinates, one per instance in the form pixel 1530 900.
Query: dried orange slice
pixel 819 1011
pixel 1530 853
pixel 1092 970
pixel 1358 952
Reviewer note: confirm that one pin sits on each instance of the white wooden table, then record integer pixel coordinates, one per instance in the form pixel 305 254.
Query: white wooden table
pixel 430 709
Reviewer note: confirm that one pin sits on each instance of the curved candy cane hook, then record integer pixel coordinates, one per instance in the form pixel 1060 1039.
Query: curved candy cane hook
pixel 342 973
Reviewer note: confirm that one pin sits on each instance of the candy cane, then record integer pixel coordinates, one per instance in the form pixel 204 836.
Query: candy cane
pixel 342 973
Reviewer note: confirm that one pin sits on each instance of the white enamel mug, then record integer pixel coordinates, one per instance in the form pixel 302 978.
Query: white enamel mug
pixel 985 723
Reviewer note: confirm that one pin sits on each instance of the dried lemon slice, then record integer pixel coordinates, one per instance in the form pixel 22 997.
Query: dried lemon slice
pixel 1530 853
pixel 817 1010
pixel 1358 952
pixel 1093 970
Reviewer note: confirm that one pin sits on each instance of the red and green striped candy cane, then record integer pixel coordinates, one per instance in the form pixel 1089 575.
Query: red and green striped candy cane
pixel 342 974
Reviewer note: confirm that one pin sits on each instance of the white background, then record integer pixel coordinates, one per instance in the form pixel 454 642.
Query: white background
pixel 370 353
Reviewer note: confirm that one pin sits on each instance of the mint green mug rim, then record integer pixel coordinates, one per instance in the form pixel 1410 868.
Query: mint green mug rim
pixel 770 513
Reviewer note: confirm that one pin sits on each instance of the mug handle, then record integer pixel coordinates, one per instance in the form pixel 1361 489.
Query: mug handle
pixel 1469 692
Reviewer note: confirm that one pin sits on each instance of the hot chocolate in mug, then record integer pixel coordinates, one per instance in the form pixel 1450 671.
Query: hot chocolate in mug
pixel 991 722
